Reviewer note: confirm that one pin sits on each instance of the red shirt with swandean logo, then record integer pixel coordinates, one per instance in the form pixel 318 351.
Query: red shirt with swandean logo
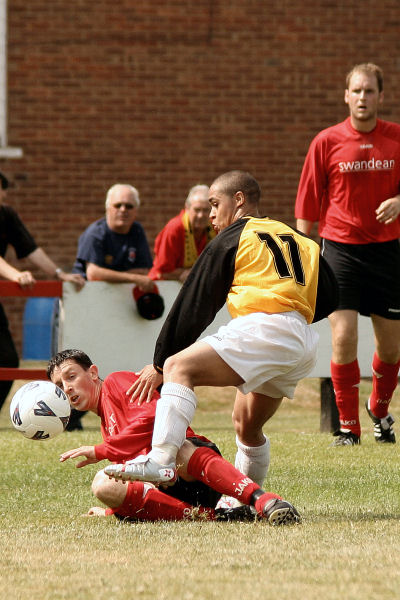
pixel 346 175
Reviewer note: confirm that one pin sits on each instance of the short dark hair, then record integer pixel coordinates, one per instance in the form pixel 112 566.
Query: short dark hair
pixel 71 354
pixel 239 181
pixel 368 68
pixel 3 181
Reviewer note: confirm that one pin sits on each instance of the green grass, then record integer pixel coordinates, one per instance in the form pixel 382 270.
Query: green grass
pixel 347 546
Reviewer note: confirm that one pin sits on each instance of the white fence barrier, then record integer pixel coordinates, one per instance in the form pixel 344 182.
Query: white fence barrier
pixel 103 321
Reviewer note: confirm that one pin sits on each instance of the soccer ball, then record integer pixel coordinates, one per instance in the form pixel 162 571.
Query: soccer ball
pixel 40 410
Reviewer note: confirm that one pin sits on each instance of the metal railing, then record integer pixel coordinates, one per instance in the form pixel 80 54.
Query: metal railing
pixel 41 289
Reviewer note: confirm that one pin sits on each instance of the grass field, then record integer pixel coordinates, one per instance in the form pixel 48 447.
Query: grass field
pixel 347 547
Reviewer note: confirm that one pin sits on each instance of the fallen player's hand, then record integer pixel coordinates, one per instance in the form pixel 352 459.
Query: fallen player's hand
pixel 87 451
pixel 143 388
pixel 96 511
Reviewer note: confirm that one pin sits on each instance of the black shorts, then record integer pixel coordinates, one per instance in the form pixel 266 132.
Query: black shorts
pixel 195 493
pixel 368 276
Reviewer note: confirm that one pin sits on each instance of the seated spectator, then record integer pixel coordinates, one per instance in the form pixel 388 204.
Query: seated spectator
pixel 14 233
pixel 183 238
pixel 115 248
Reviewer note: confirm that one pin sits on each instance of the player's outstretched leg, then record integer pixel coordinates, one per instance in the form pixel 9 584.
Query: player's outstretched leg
pixel 213 470
pixel 143 468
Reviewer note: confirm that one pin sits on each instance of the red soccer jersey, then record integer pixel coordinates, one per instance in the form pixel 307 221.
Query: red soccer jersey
pixel 346 175
pixel 169 248
pixel 127 428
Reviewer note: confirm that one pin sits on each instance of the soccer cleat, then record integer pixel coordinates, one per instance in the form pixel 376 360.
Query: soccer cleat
pixel 279 512
pixel 346 438
pixel 143 468
pixel 383 430
pixel 236 513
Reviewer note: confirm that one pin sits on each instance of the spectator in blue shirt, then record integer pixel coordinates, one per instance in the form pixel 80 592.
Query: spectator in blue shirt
pixel 115 248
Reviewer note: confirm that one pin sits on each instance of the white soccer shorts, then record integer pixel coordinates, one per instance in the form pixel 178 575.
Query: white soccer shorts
pixel 270 352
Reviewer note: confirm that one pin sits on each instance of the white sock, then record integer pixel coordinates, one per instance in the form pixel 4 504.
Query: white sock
pixel 174 413
pixel 253 461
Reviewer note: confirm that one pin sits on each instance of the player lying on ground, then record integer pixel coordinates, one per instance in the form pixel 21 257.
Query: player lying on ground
pixel 127 428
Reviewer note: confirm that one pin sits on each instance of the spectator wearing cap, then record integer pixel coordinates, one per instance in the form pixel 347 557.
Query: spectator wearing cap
pixel 183 238
pixel 115 248
pixel 14 233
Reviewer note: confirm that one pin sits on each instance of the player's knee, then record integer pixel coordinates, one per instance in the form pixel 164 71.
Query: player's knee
pixel 107 490
pixel 111 493
pixel 344 333
pixel 169 365
pixel 99 485
pixel 175 366
pixel 343 338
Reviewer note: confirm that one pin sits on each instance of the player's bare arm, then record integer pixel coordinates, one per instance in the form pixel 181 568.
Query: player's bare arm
pixel 87 451
pixel 388 211
pixel 40 259
pixel 144 387
pixel 96 273
pixel 304 226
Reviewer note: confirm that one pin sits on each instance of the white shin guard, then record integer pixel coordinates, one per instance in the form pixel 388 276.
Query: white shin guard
pixel 175 411
pixel 253 461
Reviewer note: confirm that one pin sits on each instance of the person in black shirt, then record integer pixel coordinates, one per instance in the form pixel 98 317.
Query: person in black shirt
pixel 14 233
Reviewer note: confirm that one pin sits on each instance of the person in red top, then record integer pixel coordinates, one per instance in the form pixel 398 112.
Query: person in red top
pixel 350 183
pixel 127 428
pixel 183 238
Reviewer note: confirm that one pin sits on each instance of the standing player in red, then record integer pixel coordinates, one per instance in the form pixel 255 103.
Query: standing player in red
pixel 351 184
pixel 127 428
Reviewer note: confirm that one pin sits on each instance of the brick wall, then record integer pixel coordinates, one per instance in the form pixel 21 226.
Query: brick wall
pixel 168 93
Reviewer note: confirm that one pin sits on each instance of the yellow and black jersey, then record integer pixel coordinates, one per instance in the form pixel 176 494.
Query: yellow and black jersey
pixel 254 265
pixel 276 270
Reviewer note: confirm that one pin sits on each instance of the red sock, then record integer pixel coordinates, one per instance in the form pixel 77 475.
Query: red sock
pixel 213 470
pixel 346 381
pixel 151 504
pixel 384 382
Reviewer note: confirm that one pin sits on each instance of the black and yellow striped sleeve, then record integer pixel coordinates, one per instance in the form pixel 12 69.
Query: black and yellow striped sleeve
pixel 202 295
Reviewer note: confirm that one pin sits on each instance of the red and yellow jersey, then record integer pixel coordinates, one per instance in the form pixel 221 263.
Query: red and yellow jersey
pixel 254 265
pixel 175 246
